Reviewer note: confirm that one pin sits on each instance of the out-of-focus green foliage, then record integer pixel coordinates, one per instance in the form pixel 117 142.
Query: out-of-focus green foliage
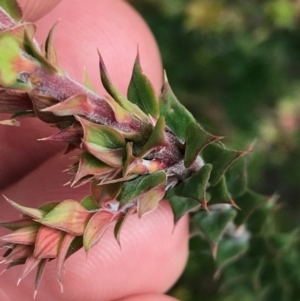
pixel 236 66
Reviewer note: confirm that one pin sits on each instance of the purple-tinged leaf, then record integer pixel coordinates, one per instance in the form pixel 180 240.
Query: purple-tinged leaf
pixel 157 138
pixel 12 8
pixel 149 201
pixel 47 242
pixel 24 236
pixel 32 212
pixel 96 228
pixel 30 264
pixel 196 140
pixel 51 54
pixel 103 194
pixel 62 254
pixel 121 222
pixel 39 275
pixel 71 135
pixel 118 96
pixel 141 91
pixel 131 190
pixel 14 225
pixel 13 102
pixel 103 142
pixel 195 186
pixel 68 216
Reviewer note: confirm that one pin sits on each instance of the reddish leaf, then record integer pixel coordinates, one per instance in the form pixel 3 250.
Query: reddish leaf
pixel 24 236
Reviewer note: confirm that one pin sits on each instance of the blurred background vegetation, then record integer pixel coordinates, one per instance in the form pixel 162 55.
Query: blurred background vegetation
pixel 236 66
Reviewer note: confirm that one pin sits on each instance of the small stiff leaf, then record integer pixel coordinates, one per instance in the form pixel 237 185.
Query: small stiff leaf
pixel 121 222
pixel 90 165
pixel 96 228
pixel 157 138
pixel 39 275
pixel 141 91
pixel 196 139
pixel 219 193
pixel 47 207
pixel 30 264
pixel 18 224
pixel 118 96
pixel 102 194
pixel 248 202
pixel 32 50
pixel 23 236
pixel 221 158
pixel 12 63
pixel 87 82
pixel 214 223
pixel 49 47
pixel 12 8
pixel 18 252
pixel 103 142
pixel 180 206
pixel 140 185
pixel 32 212
pixel 47 242
pixel 236 177
pixel 89 203
pixel 177 116
pixel 230 249
pixel 69 216
pixel 62 254
pixel 195 186
pixel 149 201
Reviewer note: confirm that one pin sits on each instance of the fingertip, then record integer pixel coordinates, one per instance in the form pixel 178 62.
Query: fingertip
pixel 149 297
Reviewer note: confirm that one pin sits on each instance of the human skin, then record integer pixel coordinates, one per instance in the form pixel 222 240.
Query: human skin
pixel 152 255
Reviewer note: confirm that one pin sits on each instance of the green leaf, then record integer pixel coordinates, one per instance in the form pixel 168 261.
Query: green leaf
pixel 195 186
pixel 196 139
pixel 230 249
pixel 140 185
pixel 157 138
pixel 118 96
pixel 141 91
pixel 236 177
pixel 219 193
pixel 214 223
pixel 14 225
pixel 176 115
pixel 13 9
pixel 180 206
pixel 103 142
pixel 221 158
pixel 69 216
pixel 248 202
